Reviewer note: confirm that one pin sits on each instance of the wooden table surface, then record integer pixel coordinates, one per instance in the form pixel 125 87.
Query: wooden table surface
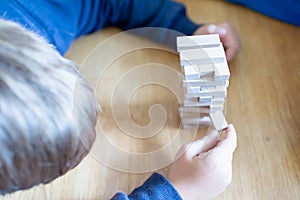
pixel 263 104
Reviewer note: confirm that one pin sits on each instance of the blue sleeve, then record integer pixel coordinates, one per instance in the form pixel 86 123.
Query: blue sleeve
pixel 61 22
pixel 128 14
pixel 156 187
pixel 284 10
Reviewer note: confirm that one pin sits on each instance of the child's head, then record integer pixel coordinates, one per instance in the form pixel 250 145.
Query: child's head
pixel 47 111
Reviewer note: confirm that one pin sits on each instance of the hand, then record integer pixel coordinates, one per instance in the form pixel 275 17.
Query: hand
pixel 228 35
pixel 203 168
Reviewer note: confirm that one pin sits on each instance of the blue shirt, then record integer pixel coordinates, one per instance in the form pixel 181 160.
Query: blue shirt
pixel 62 21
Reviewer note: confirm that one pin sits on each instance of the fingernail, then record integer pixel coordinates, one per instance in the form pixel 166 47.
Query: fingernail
pixel 230 127
pixel 221 30
pixel 211 28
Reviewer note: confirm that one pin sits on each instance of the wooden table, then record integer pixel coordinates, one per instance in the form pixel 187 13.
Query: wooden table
pixel 263 103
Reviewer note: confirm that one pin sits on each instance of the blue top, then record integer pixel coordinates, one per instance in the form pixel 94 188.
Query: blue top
pixel 284 10
pixel 156 187
pixel 61 22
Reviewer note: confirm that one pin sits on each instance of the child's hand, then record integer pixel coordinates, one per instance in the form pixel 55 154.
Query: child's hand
pixel 228 36
pixel 203 168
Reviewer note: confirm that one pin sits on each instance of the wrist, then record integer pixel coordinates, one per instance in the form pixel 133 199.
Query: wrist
pixel 177 187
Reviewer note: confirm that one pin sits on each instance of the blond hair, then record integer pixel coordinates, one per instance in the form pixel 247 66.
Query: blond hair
pixel 47 111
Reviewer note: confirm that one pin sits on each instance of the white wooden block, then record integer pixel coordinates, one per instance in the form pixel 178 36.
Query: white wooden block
pixel 192 115
pixel 221 71
pixel 194 99
pixel 198 71
pixel 193 104
pixel 206 88
pixel 215 108
pixel 205 99
pixel 201 120
pixel 191 42
pixel 218 120
pixel 218 101
pixel 199 99
pixel 218 92
pixel 197 110
pixel 206 81
pixel 212 102
pixel 192 126
pixel 202 56
pixel 190 90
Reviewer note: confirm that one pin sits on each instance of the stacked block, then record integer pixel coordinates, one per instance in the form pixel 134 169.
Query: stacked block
pixel 205 81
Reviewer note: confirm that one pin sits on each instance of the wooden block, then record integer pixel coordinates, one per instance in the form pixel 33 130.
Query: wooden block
pixel 192 126
pixel 215 108
pixel 195 110
pixel 206 88
pixel 209 101
pixel 205 99
pixel 203 41
pixel 192 115
pixel 191 90
pixel 199 99
pixel 207 81
pixel 218 92
pixel 193 104
pixel 197 71
pixel 221 71
pixel 218 120
pixel 194 99
pixel 214 102
pixel 218 101
pixel 202 56
pixel 201 120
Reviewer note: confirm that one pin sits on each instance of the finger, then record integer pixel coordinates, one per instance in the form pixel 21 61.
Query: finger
pixel 212 140
pixel 230 53
pixel 225 37
pixel 221 31
pixel 211 28
pixel 227 43
pixel 231 47
pixel 225 148
pixel 230 40
pixel 202 145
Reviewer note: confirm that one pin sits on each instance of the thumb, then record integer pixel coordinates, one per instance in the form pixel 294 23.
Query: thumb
pixel 225 148
pixel 202 145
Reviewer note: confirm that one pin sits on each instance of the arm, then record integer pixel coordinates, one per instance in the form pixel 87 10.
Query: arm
pixel 202 170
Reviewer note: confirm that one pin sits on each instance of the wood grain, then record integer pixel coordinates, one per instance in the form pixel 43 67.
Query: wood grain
pixel 262 102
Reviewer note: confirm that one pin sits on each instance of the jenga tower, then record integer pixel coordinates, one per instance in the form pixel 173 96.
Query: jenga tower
pixel 205 81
